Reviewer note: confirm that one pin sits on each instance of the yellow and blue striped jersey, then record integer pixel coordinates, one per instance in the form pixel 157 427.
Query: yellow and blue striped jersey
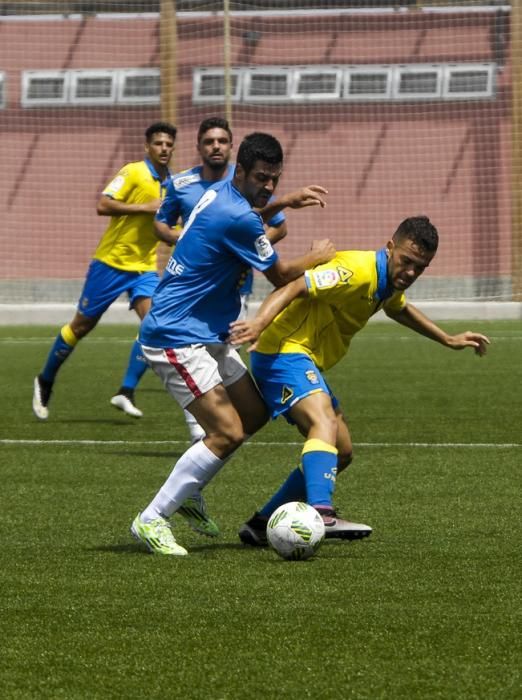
pixel 342 296
pixel 129 242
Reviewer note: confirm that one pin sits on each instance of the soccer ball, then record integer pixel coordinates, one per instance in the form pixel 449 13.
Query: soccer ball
pixel 295 530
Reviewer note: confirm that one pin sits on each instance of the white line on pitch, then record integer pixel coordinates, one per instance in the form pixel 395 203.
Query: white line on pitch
pixel 118 341
pixel 435 445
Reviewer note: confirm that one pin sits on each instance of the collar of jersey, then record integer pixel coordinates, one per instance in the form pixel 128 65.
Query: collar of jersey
pixel 153 170
pixel 384 289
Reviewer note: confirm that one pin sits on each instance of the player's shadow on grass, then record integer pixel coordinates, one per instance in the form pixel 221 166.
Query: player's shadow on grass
pixel 122 548
pixel 137 548
pixel 216 544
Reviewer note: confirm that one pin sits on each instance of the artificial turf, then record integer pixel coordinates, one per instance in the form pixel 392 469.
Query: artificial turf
pixel 427 607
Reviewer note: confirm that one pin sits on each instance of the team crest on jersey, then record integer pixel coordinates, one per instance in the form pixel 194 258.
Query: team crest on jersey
pixel 184 180
pixel 286 394
pixel 263 247
pixel 312 376
pixel 344 274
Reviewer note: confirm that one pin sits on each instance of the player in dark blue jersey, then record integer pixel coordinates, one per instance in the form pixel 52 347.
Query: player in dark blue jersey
pixel 214 145
pixel 186 188
pixel 184 337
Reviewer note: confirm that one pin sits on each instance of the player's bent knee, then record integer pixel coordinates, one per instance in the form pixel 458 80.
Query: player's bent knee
pixel 226 441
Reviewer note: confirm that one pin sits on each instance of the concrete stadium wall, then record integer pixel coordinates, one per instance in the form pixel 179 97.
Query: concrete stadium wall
pixel 381 162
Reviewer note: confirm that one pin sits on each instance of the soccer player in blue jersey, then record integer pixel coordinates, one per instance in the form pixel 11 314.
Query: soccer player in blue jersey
pixel 185 335
pixel 125 259
pixel 185 189
pixel 304 329
pixel 214 146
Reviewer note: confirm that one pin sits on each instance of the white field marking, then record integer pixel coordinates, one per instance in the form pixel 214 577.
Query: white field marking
pixel 505 335
pixel 434 445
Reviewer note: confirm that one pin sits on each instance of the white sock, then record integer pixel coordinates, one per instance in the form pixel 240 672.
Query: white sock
pixel 193 470
pixel 195 430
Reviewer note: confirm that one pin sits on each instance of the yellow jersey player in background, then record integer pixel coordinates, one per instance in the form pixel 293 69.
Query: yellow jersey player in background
pixel 124 261
pixel 304 329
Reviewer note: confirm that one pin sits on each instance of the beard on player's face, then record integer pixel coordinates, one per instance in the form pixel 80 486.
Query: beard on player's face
pixel 216 163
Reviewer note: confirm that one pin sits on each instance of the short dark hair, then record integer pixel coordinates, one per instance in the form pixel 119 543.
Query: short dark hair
pixel 160 127
pixel 420 231
pixel 214 123
pixel 259 146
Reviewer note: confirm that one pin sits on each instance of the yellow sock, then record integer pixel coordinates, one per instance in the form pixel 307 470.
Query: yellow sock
pixel 68 335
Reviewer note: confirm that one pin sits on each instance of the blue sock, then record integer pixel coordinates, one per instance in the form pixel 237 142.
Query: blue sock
pixel 319 460
pixel 136 367
pixel 293 489
pixel 59 352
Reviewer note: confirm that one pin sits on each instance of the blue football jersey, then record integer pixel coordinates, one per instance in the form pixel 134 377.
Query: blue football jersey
pixel 185 189
pixel 198 296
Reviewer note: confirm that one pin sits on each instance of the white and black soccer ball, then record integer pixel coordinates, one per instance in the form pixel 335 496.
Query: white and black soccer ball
pixel 295 530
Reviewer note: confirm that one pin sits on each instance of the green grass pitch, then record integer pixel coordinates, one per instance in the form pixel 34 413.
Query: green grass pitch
pixel 428 607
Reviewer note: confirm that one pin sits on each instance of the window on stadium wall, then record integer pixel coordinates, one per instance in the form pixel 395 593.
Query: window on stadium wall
pixel 81 6
pixel 395 113
pixel 14 7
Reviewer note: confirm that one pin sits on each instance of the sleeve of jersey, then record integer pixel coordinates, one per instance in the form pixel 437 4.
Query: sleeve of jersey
pixel 247 240
pixel 169 212
pixel 323 279
pixel 396 302
pixel 120 187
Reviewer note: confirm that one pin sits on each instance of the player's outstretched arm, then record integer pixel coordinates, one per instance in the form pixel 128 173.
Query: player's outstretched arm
pixel 249 331
pixel 283 272
pixel 469 339
pixel 412 317
pixel 310 196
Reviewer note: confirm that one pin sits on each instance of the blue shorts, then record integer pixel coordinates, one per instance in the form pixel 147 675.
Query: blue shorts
pixel 286 378
pixel 104 284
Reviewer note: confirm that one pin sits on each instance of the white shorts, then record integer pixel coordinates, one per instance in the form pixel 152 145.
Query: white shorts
pixel 191 371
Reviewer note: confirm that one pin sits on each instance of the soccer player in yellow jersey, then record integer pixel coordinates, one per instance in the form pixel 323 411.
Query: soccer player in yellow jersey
pixel 305 328
pixel 124 261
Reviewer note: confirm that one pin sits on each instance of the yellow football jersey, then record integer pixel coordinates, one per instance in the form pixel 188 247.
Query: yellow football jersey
pixel 129 242
pixel 342 296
